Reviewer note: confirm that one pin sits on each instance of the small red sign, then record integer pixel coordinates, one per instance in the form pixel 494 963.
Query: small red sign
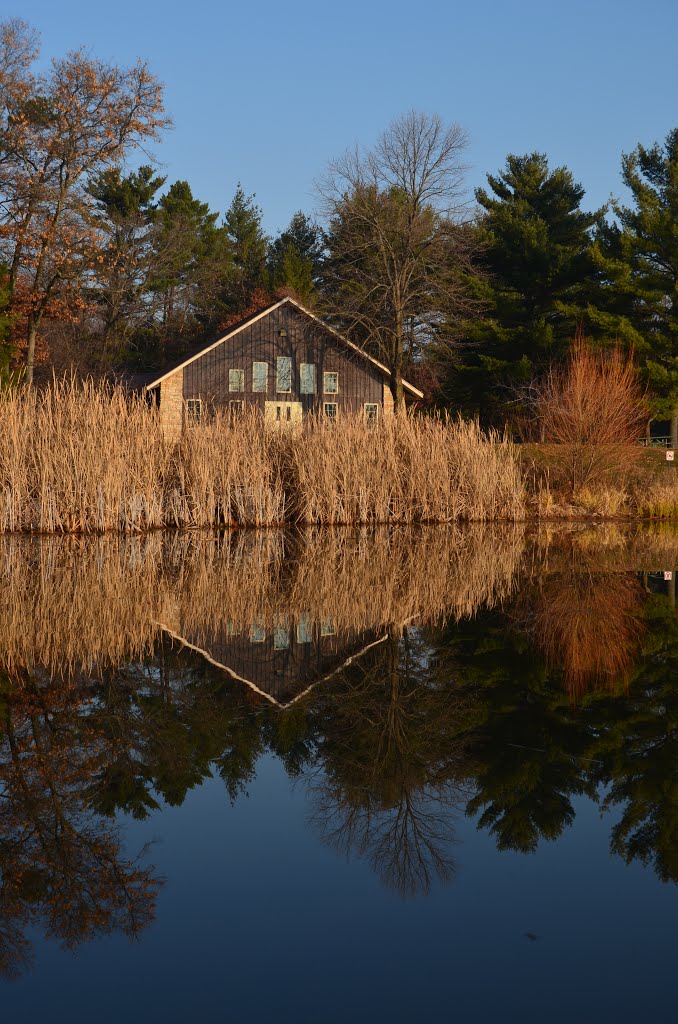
pixel 669 455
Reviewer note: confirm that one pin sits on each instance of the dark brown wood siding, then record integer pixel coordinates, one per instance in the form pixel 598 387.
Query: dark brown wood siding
pixel 281 671
pixel 304 342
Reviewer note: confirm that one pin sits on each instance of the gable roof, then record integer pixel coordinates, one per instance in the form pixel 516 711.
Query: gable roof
pixel 410 388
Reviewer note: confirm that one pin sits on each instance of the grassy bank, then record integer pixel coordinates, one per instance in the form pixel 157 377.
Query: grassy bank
pixel 86 459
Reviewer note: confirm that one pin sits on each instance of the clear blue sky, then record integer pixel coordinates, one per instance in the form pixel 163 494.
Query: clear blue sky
pixel 265 93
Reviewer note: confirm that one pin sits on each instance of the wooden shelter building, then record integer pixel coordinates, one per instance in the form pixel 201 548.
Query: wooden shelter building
pixel 284 361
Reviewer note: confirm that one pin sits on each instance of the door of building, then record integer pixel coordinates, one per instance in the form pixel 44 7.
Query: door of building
pixel 283 412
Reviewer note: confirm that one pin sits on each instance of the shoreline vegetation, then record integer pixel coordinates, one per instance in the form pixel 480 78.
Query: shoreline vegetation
pixel 88 458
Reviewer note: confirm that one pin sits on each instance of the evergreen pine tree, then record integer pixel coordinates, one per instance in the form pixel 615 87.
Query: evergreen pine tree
pixel 248 246
pixel 295 257
pixel 125 216
pixel 535 250
pixel 638 258
pixel 192 261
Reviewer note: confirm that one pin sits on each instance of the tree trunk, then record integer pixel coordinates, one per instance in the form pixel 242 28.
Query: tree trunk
pixel 674 428
pixel 30 353
pixel 396 383
pixel 397 390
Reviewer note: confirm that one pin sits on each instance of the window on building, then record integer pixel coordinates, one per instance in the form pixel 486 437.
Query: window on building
pixel 307 378
pixel 260 377
pixel 330 410
pixel 283 373
pixel 281 635
pixel 194 409
pixel 236 380
pixel 330 382
pixel 371 412
pixel 257 634
pixel 304 629
pixel 327 628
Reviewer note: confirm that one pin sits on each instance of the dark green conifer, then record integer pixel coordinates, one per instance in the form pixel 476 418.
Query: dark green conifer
pixel 638 258
pixel 535 250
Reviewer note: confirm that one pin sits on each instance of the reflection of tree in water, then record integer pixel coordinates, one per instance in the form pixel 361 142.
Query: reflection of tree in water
pixel 585 623
pixel 525 741
pixel 636 750
pixel 61 866
pixel 472 716
pixel 532 749
pixel 391 756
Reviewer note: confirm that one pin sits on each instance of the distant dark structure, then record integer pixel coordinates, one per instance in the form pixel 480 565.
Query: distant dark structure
pixel 285 362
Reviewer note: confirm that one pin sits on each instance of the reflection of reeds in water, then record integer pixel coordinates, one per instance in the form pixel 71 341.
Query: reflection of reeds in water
pixel 605 546
pixel 77 603
pixel 588 625
pixel 68 603
pixel 358 580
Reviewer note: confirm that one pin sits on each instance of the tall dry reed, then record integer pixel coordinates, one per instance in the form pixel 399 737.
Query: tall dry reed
pixel 225 472
pixel 79 458
pixel 402 470
pixel 87 458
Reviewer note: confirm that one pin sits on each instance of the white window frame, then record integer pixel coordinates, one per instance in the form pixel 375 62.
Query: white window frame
pixel 303 390
pixel 330 373
pixel 231 389
pixel 255 390
pixel 257 634
pixel 194 410
pixel 330 415
pixel 368 417
pixel 278 389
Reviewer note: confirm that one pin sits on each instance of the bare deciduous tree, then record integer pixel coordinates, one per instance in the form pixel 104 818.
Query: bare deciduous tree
pixel 57 129
pixel 399 245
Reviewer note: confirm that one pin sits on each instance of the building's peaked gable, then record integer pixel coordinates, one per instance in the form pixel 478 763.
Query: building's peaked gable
pixel 410 388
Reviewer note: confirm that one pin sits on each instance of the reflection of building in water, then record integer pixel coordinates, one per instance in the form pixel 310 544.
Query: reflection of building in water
pixel 280 658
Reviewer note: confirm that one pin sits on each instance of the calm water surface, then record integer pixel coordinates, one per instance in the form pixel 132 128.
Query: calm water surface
pixel 391 776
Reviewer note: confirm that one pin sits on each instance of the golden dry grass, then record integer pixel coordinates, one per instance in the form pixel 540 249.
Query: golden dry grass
pixel 87 458
pixel 78 458
pixel 403 470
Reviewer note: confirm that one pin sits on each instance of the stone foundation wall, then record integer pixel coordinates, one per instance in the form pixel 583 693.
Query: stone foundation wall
pixel 387 400
pixel 172 405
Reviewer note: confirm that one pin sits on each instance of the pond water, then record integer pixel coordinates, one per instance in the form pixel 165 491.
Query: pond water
pixel 390 776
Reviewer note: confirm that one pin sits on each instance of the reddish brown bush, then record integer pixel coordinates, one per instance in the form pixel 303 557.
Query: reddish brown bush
pixel 593 409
